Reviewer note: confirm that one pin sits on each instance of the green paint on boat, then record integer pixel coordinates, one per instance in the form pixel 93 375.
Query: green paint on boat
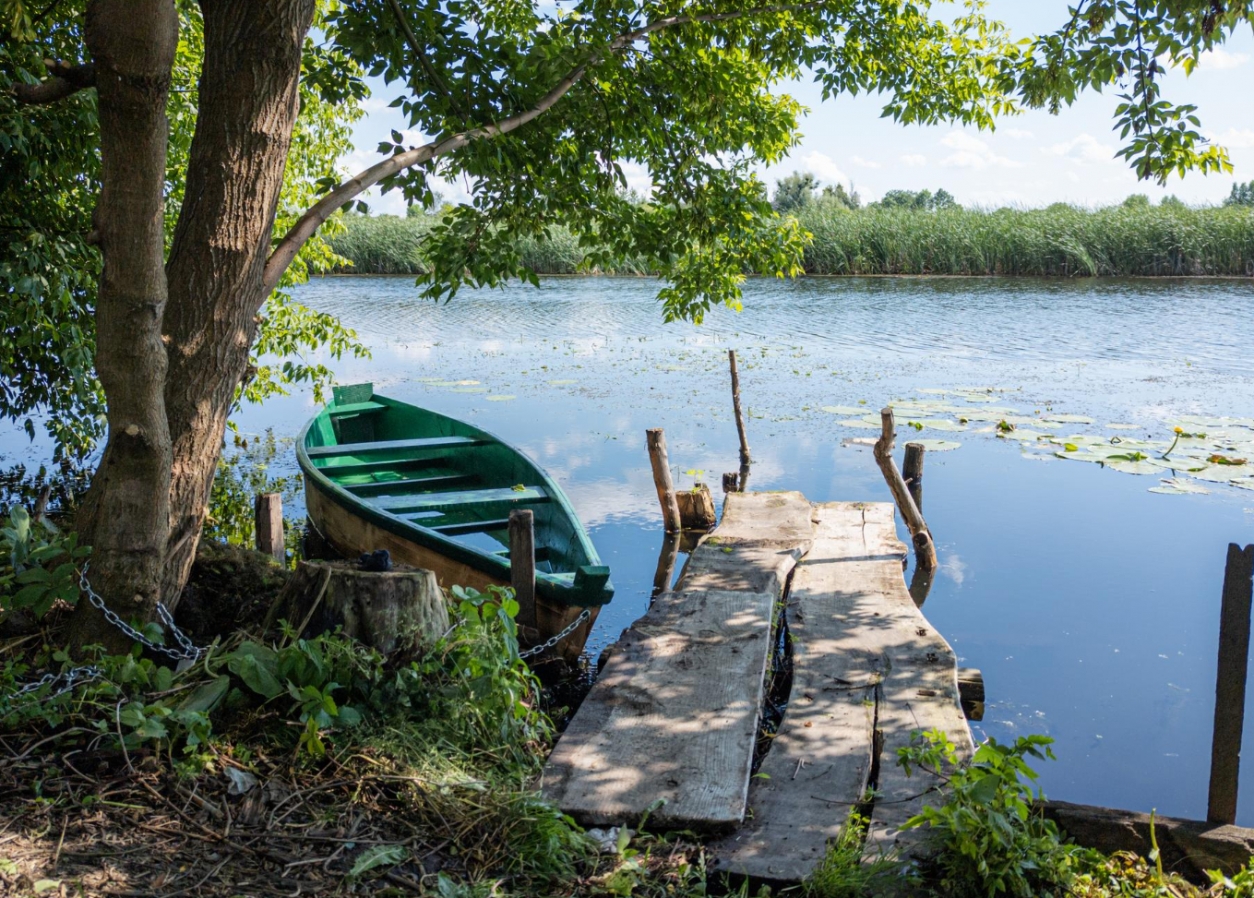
pixel 449 487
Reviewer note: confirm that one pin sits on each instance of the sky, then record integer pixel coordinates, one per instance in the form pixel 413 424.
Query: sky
pixel 1029 160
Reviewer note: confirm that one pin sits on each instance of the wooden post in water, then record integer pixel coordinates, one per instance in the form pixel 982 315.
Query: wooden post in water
pixel 1234 655
pixel 268 521
pixel 656 441
pixel 740 418
pixel 924 549
pixel 522 563
pixel 912 473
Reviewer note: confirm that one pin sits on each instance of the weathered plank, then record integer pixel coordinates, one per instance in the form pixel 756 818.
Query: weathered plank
pixel 674 714
pixel 856 636
pixel 672 717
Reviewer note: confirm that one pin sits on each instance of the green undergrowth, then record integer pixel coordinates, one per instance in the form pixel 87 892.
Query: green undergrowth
pixel 1058 241
pixel 441 753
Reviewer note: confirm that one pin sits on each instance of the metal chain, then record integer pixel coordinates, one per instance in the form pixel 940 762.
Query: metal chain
pixel 72 677
pixel 186 650
pixel 554 640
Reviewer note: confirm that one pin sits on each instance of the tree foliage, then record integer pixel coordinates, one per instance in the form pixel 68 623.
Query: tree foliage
pixel 1242 195
pixel 49 182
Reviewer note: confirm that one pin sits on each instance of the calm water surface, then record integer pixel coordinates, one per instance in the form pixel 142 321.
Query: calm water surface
pixel 1090 604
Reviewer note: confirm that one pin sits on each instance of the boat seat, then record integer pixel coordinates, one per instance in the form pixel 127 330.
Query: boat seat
pixel 356 408
pixel 379 487
pixel 344 449
pixel 434 501
pixel 465 527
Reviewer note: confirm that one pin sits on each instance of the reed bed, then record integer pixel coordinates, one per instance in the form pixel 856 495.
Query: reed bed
pixel 1058 241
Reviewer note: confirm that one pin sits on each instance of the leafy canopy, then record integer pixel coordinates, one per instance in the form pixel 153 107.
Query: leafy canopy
pixel 49 183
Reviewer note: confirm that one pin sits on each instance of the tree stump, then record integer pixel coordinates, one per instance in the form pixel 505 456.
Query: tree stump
pixel 402 610
pixel 696 508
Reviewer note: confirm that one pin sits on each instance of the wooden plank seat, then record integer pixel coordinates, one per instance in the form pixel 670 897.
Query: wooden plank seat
pixel 461 528
pixel 436 501
pixel 358 449
pixel 381 487
pixel 355 408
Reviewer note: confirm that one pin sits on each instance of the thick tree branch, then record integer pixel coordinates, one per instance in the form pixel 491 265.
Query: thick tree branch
pixel 64 80
pixel 287 248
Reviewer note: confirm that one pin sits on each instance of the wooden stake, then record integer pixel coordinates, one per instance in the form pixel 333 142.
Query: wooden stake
pixel 925 550
pixel 912 473
pixel 731 482
pixel 1234 654
pixel 740 418
pixel 268 517
pixel 522 563
pixel 656 441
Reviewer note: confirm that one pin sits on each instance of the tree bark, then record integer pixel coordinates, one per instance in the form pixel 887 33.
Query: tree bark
pixel 249 99
pixel 126 513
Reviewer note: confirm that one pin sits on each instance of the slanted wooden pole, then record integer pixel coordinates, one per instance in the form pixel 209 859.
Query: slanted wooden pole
pixel 1234 655
pixel 924 549
pixel 740 417
pixel 656 441
pixel 522 563
pixel 268 518
pixel 912 473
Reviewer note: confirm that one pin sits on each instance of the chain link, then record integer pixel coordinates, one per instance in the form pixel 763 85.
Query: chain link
pixel 186 650
pixel 554 640
pixel 72 677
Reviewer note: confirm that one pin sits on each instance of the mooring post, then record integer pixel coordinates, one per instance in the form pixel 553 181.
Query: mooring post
pixel 1234 654
pixel 912 473
pixel 656 441
pixel 740 418
pixel 268 523
pixel 924 549
pixel 522 563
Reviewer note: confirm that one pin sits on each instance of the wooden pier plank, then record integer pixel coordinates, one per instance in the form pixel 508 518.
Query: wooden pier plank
pixel 856 634
pixel 674 714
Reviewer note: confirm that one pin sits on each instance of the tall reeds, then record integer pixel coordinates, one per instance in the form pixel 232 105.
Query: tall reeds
pixel 1060 240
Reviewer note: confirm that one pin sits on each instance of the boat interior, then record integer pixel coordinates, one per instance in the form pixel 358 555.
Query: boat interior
pixel 442 475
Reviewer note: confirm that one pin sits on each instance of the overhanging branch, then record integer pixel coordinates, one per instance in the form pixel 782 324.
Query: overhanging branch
pixel 64 80
pixel 307 225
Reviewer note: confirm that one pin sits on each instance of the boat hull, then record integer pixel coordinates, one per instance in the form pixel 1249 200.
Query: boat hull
pixel 350 535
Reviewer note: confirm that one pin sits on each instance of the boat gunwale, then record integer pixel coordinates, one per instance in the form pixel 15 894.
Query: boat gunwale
pixel 558 587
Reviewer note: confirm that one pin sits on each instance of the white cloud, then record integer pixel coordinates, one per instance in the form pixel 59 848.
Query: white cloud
pixel 864 163
pixel 1221 60
pixel 1017 133
pixel 824 167
pixel 1234 139
pixel 913 160
pixel 971 152
pixel 1085 149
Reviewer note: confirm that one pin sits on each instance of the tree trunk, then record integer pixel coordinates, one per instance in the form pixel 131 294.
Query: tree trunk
pixel 126 514
pixel 249 99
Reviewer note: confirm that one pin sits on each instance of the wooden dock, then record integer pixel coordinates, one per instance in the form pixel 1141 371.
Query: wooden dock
pixel 670 727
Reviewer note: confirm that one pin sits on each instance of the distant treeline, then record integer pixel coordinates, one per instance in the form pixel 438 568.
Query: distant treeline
pixel 1133 239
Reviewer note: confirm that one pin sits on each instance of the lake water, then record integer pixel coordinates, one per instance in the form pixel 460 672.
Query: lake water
pixel 1090 603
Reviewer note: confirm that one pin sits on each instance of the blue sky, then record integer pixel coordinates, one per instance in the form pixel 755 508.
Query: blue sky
pixel 1029 160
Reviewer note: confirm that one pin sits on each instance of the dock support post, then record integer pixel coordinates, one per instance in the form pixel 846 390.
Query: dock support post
pixel 522 563
pixel 1234 653
pixel 912 473
pixel 924 549
pixel 656 440
pixel 268 521
pixel 740 418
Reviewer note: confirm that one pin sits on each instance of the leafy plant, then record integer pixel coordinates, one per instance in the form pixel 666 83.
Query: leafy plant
pixel 842 873
pixel 989 838
pixel 40 564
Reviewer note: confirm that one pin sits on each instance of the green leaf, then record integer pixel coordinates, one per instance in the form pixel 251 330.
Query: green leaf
pixel 207 696
pixel 377 856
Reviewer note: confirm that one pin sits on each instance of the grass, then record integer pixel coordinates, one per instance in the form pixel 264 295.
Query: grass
pixel 1058 241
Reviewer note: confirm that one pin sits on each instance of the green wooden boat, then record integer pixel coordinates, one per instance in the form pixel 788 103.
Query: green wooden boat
pixel 437 493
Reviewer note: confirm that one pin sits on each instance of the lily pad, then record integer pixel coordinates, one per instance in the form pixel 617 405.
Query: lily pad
pixel 938 445
pixel 858 422
pixel 1179 486
pixel 1123 426
pixel 1067 419
pixel 842 410
pixel 468 389
pixel 935 424
pixel 503 397
pixel 1144 466
pixel 561 383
